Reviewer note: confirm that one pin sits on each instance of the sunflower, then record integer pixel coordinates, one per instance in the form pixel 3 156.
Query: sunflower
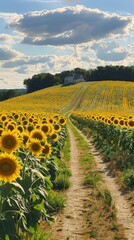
pixel 9 167
pixel 51 120
pixel 38 134
pixel 116 121
pixel 30 119
pixel 25 137
pixel 47 149
pixel 16 116
pixel 109 121
pixel 30 128
pixel 62 121
pixel 3 117
pixel 122 123
pixel 34 146
pixel 57 128
pixel 54 137
pixel 130 123
pixel 45 128
pixel 112 118
pixel 9 141
pixel 11 126
pixel 20 128
pixel 25 122
pixel 6 122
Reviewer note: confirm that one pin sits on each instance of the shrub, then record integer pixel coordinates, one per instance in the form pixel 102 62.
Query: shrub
pixel 128 178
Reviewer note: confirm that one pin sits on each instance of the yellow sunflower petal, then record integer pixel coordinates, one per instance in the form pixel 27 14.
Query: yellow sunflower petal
pixel 9 167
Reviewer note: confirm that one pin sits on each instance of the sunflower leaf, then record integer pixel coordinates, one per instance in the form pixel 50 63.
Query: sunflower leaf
pixel 38 173
pixel 17 185
pixel 39 206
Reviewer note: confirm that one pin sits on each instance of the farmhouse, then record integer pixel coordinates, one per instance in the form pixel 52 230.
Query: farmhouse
pixel 73 78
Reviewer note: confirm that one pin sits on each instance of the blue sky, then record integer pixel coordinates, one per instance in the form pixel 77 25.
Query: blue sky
pixel 56 35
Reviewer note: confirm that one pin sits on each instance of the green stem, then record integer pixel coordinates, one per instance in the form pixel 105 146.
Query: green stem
pixel 1 204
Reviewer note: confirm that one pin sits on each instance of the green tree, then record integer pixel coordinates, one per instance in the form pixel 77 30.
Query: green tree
pixel 41 81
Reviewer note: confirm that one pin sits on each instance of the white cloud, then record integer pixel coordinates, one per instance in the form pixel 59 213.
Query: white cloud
pixel 69 25
pixel 49 63
pixel 8 54
pixel 6 38
pixel 11 79
pixel 10 17
pixel 110 51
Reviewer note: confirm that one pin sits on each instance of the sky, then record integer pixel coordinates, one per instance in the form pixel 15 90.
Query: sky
pixel 52 36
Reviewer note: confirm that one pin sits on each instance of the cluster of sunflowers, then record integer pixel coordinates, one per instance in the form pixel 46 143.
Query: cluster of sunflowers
pixel 108 118
pixel 32 133
pixel 30 144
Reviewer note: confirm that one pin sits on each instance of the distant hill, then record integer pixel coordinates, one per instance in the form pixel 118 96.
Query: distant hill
pixel 10 93
pixel 18 92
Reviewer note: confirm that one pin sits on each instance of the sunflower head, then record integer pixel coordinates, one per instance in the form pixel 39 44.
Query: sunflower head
pixel 51 120
pixel 34 146
pixel 131 123
pixel 25 122
pixel 25 138
pixel 16 116
pixel 62 121
pixel 9 167
pixel 116 121
pixel 109 121
pixel 57 128
pixel 38 134
pixel 9 141
pixel 3 117
pixel 11 126
pixel 54 137
pixel 46 128
pixel 30 119
pixel 20 128
pixel 121 123
pixel 47 149
pixel 30 128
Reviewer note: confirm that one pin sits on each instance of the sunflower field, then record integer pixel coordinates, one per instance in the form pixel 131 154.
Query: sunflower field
pixel 33 131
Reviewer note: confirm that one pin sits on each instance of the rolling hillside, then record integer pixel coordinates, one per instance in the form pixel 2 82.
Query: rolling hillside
pixel 96 98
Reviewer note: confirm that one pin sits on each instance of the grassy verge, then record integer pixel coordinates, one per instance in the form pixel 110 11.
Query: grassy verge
pixel 99 208
pixel 57 197
pixel 62 177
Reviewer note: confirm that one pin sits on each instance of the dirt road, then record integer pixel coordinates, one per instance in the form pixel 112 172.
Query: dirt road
pixel 72 222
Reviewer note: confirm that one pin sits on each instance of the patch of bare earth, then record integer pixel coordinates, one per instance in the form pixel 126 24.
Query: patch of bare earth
pixel 72 222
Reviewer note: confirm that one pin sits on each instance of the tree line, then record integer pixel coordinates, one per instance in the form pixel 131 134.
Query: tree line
pixel 10 93
pixel 44 80
pixel 108 72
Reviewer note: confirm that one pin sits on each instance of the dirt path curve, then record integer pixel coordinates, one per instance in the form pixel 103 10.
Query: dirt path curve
pixel 124 214
pixel 72 225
